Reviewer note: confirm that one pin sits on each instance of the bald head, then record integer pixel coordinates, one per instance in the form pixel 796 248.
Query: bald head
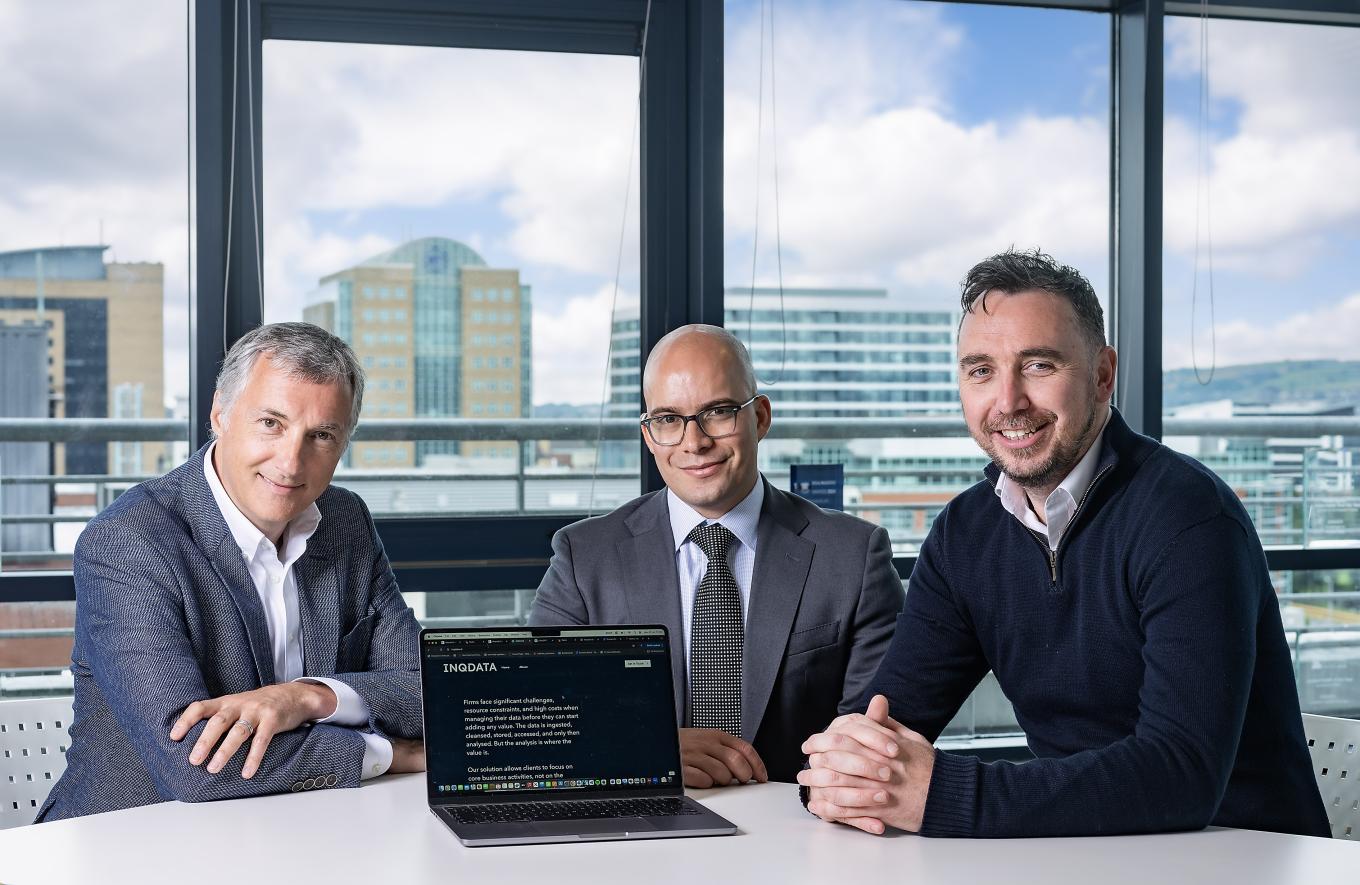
pixel 705 371
pixel 699 345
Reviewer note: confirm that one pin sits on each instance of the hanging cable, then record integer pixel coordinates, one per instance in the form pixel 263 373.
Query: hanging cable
pixel 767 12
pixel 778 232
pixel 755 223
pixel 618 262
pixel 231 166
pixel 1202 201
pixel 254 195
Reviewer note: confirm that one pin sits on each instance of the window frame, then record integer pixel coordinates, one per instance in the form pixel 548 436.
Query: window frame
pixel 681 174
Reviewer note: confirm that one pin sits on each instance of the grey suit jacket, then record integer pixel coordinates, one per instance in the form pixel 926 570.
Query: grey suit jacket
pixel 823 602
pixel 167 614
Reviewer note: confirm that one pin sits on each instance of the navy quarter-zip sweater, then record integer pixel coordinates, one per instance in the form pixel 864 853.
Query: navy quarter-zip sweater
pixel 1146 660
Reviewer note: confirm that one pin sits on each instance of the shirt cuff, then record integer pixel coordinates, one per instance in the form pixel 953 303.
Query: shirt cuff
pixel 350 709
pixel 377 755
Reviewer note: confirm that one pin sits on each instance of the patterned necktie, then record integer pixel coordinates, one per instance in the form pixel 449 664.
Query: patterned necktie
pixel 715 647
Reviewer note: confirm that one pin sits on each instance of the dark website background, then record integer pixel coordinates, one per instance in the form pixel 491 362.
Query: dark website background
pixel 625 720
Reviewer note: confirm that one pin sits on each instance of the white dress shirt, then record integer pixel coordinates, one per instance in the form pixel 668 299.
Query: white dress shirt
pixel 690 561
pixel 1061 504
pixel 274 581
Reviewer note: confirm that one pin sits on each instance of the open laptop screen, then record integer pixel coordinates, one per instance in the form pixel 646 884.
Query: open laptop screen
pixel 547 709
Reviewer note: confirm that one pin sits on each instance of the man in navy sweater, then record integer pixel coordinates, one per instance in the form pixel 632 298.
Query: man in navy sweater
pixel 1117 589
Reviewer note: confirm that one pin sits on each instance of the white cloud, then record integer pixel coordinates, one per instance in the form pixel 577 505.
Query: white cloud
pixel 310 255
pixel 570 344
pixel 541 136
pixel 884 180
pixel 93 100
pixel 1328 332
pixel 1288 173
pixel 880 181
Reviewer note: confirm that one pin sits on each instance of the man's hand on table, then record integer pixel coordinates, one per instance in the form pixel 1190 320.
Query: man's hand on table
pixel 869 771
pixel 710 757
pixel 254 716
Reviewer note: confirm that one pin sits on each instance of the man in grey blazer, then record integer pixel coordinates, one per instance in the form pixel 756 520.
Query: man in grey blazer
pixel 238 628
pixel 780 629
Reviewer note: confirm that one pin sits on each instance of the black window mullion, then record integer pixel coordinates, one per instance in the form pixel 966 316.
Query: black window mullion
pixel 1136 228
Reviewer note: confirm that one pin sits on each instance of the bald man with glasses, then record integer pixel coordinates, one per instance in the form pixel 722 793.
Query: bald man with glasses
pixel 778 611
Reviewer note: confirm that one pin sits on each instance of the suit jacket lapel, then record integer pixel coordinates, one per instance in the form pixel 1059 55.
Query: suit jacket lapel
pixel 318 586
pixel 783 558
pixel 210 533
pixel 652 585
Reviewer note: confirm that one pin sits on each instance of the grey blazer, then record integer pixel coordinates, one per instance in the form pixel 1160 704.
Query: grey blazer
pixel 166 614
pixel 822 606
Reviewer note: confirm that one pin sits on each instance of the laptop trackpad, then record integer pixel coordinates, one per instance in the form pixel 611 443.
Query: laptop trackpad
pixel 616 825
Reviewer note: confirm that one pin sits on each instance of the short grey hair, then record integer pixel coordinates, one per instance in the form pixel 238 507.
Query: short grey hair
pixel 304 352
pixel 730 342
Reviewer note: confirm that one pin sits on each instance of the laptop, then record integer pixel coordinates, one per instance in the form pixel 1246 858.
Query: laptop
pixel 555 734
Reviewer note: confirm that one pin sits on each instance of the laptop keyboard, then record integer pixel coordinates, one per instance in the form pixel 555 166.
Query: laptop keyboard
pixel 589 809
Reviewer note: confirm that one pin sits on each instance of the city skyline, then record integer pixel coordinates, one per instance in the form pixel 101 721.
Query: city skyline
pixel 891 166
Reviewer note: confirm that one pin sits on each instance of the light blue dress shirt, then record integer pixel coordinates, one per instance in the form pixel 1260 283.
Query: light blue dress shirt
pixel 690 561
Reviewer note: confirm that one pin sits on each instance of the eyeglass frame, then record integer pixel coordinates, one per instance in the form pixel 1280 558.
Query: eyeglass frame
pixel 646 421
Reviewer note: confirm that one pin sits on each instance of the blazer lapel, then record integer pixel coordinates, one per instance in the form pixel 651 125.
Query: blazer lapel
pixel 210 533
pixel 783 558
pixel 318 586
pixel 652 585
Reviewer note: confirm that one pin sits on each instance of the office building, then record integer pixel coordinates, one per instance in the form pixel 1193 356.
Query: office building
pixel 839 353
pixel 1299 489
pixel 440 335
pixel 104 352
pixel 24 394
pixel 824 353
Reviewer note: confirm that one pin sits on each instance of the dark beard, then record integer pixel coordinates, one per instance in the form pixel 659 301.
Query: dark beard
pixel 1059 463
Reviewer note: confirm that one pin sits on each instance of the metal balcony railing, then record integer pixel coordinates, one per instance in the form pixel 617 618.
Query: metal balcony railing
pixel 1273 493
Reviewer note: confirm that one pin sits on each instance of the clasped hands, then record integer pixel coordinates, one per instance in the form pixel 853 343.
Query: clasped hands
pixel 869 771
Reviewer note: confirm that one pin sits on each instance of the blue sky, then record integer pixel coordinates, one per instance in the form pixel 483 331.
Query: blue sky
pixel 914 138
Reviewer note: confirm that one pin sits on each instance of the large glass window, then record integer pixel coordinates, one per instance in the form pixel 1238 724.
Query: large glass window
pixel 94 269
pixel 1261 251
pixel 94 288
pixel 457 216
pixel 874 151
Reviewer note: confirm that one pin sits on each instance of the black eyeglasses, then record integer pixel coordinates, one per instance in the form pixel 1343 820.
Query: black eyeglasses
pixel 714 423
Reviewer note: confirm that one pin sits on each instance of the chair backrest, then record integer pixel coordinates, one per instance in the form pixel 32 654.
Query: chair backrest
pixel 33 741
pixel 1334 745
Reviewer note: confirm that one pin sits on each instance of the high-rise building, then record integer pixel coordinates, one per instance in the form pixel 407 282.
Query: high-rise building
pixel 439 334
pixel 104 354
pixel 824 353
pixel 24 394
pixel 839 353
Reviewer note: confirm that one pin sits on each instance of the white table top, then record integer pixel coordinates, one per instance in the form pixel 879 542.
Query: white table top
pixel 383 833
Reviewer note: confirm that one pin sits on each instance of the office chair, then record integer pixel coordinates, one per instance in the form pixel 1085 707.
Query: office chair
pixel 33 741
pixel 1334 745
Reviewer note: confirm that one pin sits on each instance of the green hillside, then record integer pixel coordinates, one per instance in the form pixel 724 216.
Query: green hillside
pixel 1332 381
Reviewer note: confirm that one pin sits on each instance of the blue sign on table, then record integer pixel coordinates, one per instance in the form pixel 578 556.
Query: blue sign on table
pixel 822 484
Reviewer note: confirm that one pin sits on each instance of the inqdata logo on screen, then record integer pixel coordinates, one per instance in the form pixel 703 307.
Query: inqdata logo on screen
pixel 479 667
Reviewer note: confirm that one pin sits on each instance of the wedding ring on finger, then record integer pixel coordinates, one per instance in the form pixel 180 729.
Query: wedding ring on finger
pixel 246 724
